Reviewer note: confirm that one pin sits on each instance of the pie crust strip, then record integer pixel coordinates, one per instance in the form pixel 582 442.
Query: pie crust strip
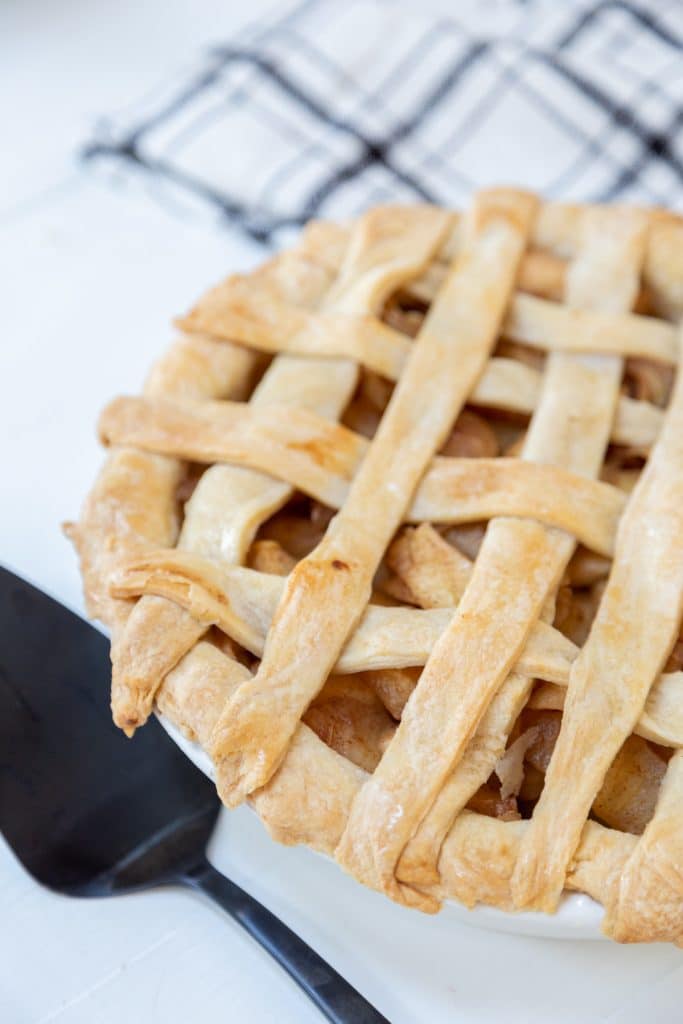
pixel 262 322
pixel 635 628
pixel 242 603
pixel 511 385
pixel 326 593
pixel 230 503
pixel 165 424
pixel 519 565
pixel 321 459
pixel 418 864
pixel 548 325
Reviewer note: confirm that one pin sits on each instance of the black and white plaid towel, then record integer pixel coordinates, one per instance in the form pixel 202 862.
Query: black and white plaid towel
pixel 339 104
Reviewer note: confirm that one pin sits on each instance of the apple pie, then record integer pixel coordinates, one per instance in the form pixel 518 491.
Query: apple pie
pixel 395 532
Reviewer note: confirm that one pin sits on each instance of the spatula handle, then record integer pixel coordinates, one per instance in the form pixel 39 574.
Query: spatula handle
pixel 336 999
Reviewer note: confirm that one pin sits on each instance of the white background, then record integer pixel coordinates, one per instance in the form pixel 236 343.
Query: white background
pixel 91 277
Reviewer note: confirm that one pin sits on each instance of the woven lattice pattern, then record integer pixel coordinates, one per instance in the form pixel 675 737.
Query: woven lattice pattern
pixel 396 533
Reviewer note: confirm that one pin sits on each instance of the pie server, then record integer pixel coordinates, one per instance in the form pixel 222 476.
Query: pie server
pixel 89 813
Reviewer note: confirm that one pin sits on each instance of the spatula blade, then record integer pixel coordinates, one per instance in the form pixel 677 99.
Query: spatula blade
pixel 75 795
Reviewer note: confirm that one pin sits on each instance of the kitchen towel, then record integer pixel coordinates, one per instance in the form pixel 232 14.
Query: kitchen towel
pixel 333 105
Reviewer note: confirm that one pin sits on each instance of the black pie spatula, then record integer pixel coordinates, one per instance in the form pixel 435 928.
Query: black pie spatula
pixel 89 813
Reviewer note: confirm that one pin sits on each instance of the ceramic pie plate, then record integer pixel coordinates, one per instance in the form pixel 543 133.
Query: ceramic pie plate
pixel 578 916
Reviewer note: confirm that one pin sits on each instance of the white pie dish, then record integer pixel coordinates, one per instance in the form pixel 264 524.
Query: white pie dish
pixel 578 916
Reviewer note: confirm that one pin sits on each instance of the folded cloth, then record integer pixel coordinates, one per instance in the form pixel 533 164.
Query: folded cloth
pixel 334 105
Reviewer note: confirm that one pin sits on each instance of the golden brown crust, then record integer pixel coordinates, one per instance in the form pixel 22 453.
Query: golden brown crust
pixel 356 352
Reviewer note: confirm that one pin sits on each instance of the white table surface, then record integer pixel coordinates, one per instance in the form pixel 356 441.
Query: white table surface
pixel 90 279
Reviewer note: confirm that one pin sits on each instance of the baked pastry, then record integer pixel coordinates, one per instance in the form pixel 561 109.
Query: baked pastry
pixel 396 533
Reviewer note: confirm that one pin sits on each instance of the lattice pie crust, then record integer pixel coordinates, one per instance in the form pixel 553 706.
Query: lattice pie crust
pixel 396 533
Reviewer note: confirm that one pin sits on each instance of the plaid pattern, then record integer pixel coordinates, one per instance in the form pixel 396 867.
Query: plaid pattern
pixel 334 107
